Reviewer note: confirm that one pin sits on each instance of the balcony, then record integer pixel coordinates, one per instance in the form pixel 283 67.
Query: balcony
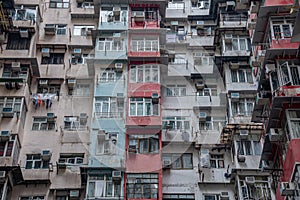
pixel 149 19
pixel 233 21
pixel 26 18
pixel 176 10
pixel 144 48
pixel 84 9
pixel 114 47
pixel 113 18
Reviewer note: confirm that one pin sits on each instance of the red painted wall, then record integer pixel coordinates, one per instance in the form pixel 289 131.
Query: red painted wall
pixel 284 44
pixel 142 89
pixel 278 2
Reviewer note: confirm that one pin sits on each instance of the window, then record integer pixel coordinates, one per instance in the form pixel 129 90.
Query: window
pixel 289 73
pixel 282 28
pixel 61 197
pixel 294 123
pixel 110 75
pixel 82 30
pixel 241 75
pixel 245 147
pixel 71 159
pixel 16 42
pixel 82 59
pixel 42 124
pixel 178 196
pixel 242 107
pixel 144 45
pixel 176 123
pixel 108 107
pixel 34 161
pixel 24 14
pixel 118 15
pixel 102 185
pixel 211 197
pixel 82 88
pixel 53 58
pixel 8 71
pixel 203 4
pixel 58 29
pixel 59 4
pixel 142 186
pixel 72 123
pixel 180 161
pixel 178 59
pixel 32 198
pixel 86 4
pixel 207 92
pixel 176 90
pixel 143 107
pixel 7 147
pixel 143 144
pixel 217 160
pixel 111 44
pixel 259 190
pixel 176 4
pixel 51 88
pixel 237 43
pixel 144 73
pixel 15 104
pixel 107 143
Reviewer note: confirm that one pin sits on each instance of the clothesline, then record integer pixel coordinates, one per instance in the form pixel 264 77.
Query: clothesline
pixel 43 99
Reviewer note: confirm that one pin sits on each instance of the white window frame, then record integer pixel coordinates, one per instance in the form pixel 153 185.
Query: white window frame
pixel 286 76
pixel 144 73
pixel 177 123
pixel 208 92
pixel 293 123
pixel 245 73
pixel 135 103
pixel 108 44
pixel 109 75
pixel 178 5
pixel 144 45
pixel 75 123
pixel 114 108
pixel 32 197
pixel 80 30
pixel 27 16
pixel 217 159
pixel 16 103
pixel 238 39
pixel 81 89
pixel 12 139
pixel 242 102
pixel 44 164
pixel 281 23
pixel 59 3
pixel 100 187
pixel 254 147
pixel 41 122
pixel 176 90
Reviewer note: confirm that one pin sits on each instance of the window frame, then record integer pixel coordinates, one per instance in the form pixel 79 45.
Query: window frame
pixel 43 122
pixel 53 59
pixel 7 148
pixel 150 141
pixel 251 149
pixel 217 161
pixel 235 44
pixel 178 162
pixel 135 106
pixel 35 159
pixel 176 90
pixel 62 4
pixel 236 76
pixel 81 30
pixel 74 123
pixel 176 122
pixel 144 45
pixel 114 107
pixel 108 44
pixel 147 73
pixel 243 103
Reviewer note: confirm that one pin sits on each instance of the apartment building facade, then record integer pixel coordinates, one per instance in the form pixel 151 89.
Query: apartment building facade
pixel 188 99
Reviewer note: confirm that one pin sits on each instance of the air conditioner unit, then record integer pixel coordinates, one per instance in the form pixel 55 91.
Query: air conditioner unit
pixel 116 9
pixel 71 83
pixel 202 116
pixel 113 136
pixel 276 134
pixel 250 179
pixel 74 193
pixel 16 66
pixel 24 33
pixel 119 66
pixel 200 22
pixel 234 65
pixel 224 196
pixel 46 155
pixel 235 96
pixel 50 117
pixel 50 29
pixel 77 52
pixel 244 134
pixel 287 188
pixel 7 112
pixel 116 175
pixel 199 85
pixel 166 164
pixel 139 16
pixel 228 37
pixel 43 82
pixel 45 52
pixel 4 135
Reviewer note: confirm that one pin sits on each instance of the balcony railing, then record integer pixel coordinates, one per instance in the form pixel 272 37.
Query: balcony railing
pixel 108 114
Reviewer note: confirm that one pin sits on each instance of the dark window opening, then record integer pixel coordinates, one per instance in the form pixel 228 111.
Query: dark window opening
pixel 15 42
pixel 53 58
